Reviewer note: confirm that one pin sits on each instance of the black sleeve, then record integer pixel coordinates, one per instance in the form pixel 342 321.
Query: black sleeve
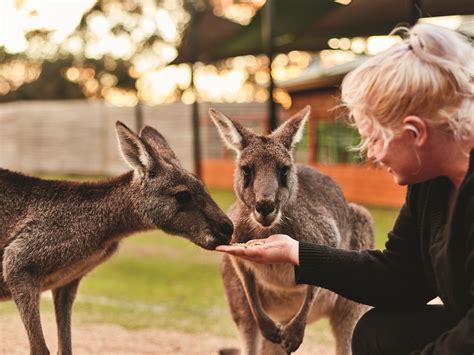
pixel 390 278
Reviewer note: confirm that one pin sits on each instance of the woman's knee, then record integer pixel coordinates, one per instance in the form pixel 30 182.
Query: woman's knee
pixel 363 336
pixel 384 331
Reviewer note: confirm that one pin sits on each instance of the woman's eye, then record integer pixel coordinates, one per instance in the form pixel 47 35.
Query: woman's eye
pixel 183 197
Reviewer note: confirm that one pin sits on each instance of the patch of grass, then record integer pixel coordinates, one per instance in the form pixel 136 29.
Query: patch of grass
pixel 384 218
pixel 7 307
pixel 157 291
pixel 157 277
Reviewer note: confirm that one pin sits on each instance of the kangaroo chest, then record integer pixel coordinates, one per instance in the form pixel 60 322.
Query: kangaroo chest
pixel 276 277
pixel 281 298
pixel 70 272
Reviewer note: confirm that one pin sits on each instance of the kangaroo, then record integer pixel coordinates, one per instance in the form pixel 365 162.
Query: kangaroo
pixel 277 196
pixel 52 233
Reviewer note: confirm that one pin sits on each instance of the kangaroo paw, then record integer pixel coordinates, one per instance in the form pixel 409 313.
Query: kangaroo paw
pixel 273 332
pixel 292 337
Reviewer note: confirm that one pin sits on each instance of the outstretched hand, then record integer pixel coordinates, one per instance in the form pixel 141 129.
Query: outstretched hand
pixel 276 249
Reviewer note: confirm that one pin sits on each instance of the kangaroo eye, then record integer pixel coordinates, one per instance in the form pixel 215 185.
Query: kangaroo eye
pixel 284 170
pixel 183 197
pixel 152 174
pixel 247 171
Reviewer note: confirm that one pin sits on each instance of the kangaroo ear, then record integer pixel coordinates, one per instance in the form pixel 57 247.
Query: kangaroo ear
pixel 158 144
pixel 234 135
pixel 291 132
pixel 133 150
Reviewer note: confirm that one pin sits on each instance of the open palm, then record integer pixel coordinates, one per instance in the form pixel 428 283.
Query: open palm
pixel 276 249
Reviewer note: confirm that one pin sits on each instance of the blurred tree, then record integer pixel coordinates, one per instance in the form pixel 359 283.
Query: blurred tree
pixel 120 51
pixel 50 84
pixel 115 42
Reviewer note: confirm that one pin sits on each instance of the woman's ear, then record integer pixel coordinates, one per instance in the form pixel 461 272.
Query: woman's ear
pixel 418 127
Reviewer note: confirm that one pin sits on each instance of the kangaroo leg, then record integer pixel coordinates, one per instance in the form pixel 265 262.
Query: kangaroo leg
pixel 293 332
pixel 26 294
pixel 21 279
pixel 345 314
pixel 240 311
pixel 63 299
pixel 270 330
pixel 343 320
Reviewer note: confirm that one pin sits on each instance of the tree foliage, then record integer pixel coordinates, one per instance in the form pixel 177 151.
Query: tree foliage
pixel 128 24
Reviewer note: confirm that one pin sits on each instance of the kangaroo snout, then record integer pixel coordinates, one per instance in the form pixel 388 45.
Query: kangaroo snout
pixel 222 233
pixel 265 207
pixel 226 229
pixel 266 213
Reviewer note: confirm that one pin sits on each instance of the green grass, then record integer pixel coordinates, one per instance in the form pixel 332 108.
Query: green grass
pixel 161 281
pixel 165 281
pixel 384 219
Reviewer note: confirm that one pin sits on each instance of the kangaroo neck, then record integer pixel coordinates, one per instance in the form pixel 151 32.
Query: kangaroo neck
pixel 116 213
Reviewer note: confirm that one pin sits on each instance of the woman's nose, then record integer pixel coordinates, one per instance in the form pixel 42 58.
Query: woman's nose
pixel 370 152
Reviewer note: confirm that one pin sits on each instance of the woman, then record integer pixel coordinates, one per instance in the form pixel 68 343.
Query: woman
pixel 413 106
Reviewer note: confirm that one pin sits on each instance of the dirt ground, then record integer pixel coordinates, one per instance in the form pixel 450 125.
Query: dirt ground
pixel 113 339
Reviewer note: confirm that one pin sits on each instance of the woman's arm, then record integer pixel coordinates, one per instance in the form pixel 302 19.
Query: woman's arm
pixel 393 277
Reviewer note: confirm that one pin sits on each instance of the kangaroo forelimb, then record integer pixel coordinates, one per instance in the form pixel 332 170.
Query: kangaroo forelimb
pixel 293 332
pixel 270 330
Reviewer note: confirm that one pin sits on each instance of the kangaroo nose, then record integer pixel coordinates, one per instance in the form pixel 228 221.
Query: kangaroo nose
pixel 226 228
pixel 265 207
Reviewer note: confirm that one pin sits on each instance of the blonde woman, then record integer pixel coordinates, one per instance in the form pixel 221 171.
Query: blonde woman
pixel 413 106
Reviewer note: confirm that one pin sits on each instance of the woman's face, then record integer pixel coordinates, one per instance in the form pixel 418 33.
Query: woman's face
pixel 399 158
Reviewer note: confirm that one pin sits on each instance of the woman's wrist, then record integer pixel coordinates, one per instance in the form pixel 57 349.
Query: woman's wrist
pixel 294 252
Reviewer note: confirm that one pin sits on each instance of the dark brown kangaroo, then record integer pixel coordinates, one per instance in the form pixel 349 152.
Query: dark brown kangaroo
pixel 52 233
pixel 277 196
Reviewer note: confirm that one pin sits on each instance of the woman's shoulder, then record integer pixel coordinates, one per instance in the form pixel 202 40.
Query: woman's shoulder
pixel 424 194
pixel 466 192
pixel 420 191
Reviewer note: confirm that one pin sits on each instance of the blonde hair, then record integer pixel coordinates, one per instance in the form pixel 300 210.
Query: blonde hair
pixel 429 75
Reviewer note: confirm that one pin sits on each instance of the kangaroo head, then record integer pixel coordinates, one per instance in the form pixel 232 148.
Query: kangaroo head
pixel 265 178
pixel 166 195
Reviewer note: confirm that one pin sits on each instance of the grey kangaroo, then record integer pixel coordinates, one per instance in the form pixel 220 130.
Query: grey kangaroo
pixel 275 196
pixel 52 233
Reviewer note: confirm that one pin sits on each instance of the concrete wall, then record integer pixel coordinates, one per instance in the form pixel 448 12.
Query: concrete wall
pixel 78 137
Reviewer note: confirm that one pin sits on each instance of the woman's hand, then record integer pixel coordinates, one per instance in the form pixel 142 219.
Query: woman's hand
pixel 276 249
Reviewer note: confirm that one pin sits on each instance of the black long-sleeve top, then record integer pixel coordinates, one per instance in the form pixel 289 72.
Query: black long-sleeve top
pixel 427 255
